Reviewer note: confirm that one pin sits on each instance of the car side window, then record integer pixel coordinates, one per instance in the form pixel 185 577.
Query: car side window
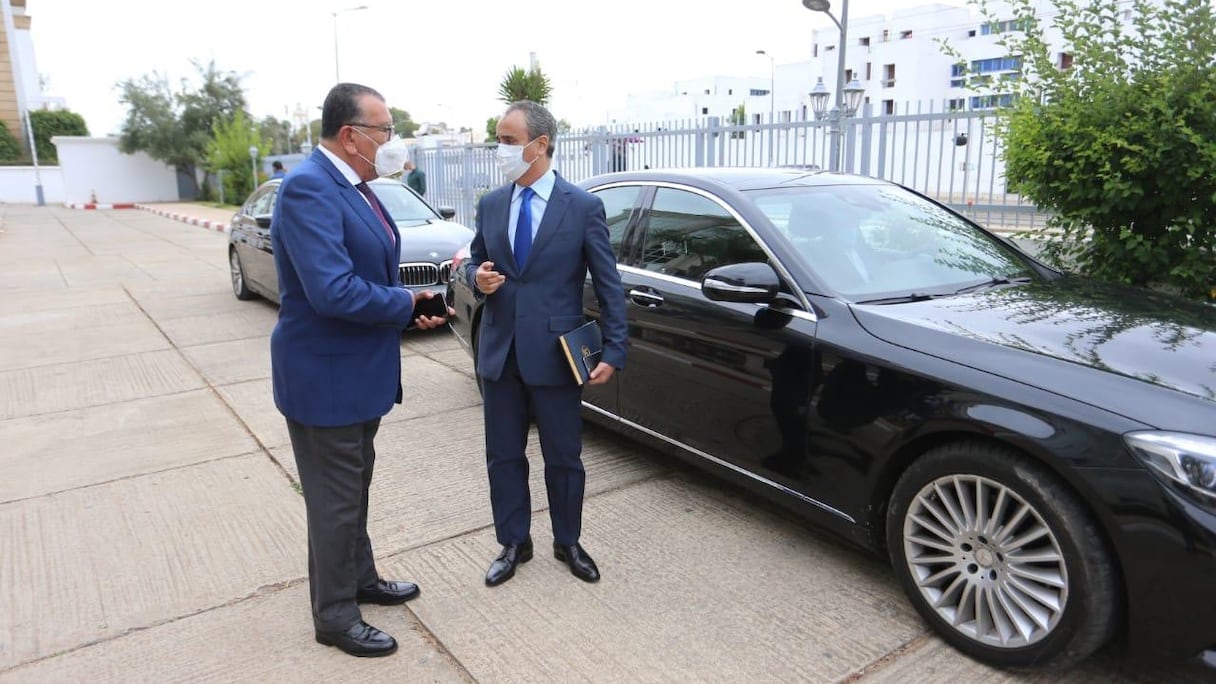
pixel 689 234
pixel 261 205
pixel 618 208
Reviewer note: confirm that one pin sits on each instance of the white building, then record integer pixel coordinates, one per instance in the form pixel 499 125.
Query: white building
pixel 897 58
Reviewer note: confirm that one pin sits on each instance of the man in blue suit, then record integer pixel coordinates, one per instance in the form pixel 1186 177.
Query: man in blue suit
pixel 536 240
pixel 336 352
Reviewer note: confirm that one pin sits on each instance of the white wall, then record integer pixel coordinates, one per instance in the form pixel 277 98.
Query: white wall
pixel 94 167
pixel 17 184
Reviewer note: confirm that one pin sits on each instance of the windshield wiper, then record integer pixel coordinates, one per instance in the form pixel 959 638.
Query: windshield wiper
pixel 1012 279
pixel 901 299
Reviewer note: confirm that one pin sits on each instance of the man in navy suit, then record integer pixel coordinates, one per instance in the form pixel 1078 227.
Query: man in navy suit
pixel 336 352
pixel 536 240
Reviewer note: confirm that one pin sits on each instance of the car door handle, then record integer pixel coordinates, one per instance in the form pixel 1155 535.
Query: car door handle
pixel 644 298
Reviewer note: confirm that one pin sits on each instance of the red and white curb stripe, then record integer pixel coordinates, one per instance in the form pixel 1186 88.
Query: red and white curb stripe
pixel 204 223
pixel 94 205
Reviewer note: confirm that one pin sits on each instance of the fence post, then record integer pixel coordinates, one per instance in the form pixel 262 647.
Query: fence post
pixel 867 130
pixel 712 135
pixel 600 151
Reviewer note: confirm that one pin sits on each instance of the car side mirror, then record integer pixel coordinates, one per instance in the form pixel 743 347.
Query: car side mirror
pixel 749 283
pixel 447 213
pixel 263 221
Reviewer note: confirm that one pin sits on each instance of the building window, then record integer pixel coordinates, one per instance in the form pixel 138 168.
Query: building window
pixel 957 104
pixel 815 50
pixel 1003 27
pixel 987 66
pixel 1065 61
pixel 848 75
pixel 756 119
pixel 957 82
pixel 991 101
pixel 865 42
pixel 730 91
pixel 888 75
pixel 707 91
pixel 705 110
pixel 829 48
pixel 904 35
pixel 888 107
pixel 758 92
pixel 886 35
pixel 869 71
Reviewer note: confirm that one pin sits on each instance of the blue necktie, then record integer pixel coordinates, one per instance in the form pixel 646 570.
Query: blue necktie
pixel 523 228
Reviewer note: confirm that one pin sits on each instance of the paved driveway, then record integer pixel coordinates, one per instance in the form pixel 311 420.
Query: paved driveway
pixel 151 527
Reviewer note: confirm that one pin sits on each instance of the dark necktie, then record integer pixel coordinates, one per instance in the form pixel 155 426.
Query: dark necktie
pixel 371 199
pixel 523 228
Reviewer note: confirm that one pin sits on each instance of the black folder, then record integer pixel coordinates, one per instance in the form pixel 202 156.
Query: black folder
pixel 582 347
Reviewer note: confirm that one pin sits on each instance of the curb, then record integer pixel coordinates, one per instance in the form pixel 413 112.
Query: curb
pixel 94 205
pixel 203 223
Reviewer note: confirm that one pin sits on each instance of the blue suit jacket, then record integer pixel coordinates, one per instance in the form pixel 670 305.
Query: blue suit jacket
pixel 336 351
pixel 535 306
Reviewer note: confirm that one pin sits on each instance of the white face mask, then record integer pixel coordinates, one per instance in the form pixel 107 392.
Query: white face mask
pixel 511 161
pixel 390 156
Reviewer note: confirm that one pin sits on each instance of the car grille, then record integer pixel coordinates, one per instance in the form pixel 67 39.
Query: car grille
pixel 423 274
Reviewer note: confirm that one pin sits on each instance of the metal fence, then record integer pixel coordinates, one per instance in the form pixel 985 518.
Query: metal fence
pixel 953 156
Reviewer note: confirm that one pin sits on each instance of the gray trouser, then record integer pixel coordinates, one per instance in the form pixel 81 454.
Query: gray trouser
pixel 335 465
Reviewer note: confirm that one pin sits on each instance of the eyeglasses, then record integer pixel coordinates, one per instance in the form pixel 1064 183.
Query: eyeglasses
pixel 387 128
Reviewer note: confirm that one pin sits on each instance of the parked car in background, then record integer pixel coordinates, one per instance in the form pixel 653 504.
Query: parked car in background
pixel 1033 452
pixel 428 239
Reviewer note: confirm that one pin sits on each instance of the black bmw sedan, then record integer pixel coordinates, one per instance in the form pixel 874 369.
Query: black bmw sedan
pixel 428 240
pixel 1034 452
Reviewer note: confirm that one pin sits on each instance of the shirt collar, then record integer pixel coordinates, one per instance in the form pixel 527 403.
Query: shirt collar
pixel 343 168
pixel 543 187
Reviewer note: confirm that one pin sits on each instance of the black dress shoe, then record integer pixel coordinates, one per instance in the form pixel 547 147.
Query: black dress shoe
pixel 503 567
pixel 361 640
pixel 581 565
pixel 388 593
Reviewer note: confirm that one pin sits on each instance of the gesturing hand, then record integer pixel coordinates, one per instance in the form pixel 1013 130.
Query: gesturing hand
pixel 488 280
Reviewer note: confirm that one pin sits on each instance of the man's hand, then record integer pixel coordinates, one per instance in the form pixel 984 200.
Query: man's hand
pixel 602 374
pixel 488 280
pixel 428 322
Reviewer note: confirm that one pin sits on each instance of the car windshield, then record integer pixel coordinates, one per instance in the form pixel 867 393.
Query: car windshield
pixel 403 205
pixel 882 242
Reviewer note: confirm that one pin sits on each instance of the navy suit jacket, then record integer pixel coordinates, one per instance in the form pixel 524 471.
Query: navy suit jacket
pixel 335 353
pixel 533 307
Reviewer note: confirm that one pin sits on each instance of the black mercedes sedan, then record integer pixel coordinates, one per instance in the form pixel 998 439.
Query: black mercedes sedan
pixel 428 239
pixel 1034 452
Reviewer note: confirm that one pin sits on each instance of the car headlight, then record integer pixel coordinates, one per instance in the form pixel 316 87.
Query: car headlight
pixel 1187 459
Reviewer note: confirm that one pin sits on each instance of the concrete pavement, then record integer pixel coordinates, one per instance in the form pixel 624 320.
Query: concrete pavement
pixel 151 527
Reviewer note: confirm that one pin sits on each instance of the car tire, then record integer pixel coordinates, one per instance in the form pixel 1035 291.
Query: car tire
pixel 239 287
pixel 1001 559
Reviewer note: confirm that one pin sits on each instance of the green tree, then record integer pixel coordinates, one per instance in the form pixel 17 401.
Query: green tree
pixel 48 124
pixel 228 151
pixel 1121 145
pixel 10 149
pixel 492 128
pixel 278 134
pixel 402 123
pixel 518 85
pixel 176 127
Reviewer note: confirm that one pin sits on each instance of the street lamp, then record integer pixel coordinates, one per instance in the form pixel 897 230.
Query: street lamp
pixel 253 159
pixel 772 101
pixel 819 95
pixel 337 77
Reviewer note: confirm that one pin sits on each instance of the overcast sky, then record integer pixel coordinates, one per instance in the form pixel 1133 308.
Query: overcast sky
pixel 440 60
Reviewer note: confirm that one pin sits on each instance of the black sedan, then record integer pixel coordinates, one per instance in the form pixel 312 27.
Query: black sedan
pixel 428 239
pixel 1034 452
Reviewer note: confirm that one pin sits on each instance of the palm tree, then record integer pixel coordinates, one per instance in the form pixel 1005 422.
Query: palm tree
pixel 525 85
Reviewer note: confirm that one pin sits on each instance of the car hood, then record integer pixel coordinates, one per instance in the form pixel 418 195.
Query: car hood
pixel 1150 337
pixel 421 239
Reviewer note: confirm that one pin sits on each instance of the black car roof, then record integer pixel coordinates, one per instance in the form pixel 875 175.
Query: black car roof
pixel 737 178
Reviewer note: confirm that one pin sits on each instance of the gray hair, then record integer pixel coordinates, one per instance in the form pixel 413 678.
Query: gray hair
pixel 538 120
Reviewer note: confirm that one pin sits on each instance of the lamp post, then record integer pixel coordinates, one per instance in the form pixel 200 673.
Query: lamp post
pixel 772 101
pixel 819 94
pixel 337 77
pixel 253 160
